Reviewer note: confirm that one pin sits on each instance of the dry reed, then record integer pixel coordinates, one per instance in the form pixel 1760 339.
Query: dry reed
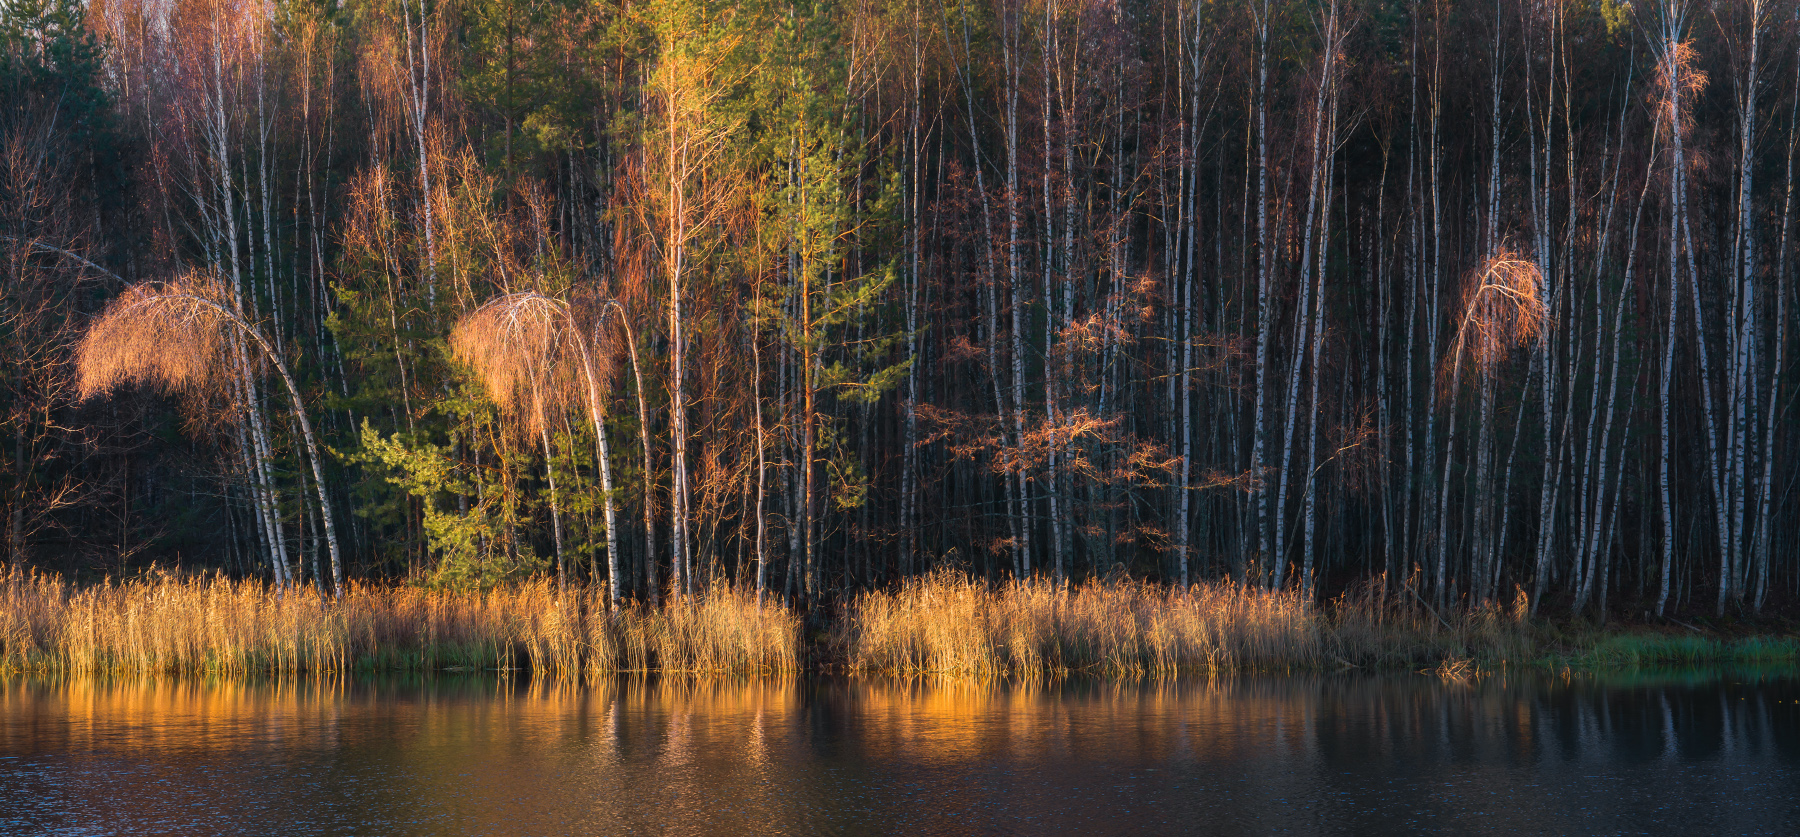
pixel 163 623
pixel 943 623
pixel 1383 624
pixel 951 624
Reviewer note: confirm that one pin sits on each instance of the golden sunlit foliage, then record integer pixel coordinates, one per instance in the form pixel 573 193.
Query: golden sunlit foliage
pixel 1503 309
pixel 525 350
pixel 166 334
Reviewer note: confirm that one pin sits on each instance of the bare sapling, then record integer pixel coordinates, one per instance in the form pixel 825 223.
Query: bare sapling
pixel 1502 309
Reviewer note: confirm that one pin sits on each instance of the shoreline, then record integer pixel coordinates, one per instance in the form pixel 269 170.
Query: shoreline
pixel 942 624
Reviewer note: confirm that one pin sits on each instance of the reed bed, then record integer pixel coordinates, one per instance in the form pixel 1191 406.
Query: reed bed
pixel 944 623
pixel 1381 625
pixel 947 623
pixel 163 623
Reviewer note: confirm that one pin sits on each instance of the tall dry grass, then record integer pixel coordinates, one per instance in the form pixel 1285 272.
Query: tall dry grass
pixel 948 623
pixel 1379 625
pixel 943 623
pixel 172 624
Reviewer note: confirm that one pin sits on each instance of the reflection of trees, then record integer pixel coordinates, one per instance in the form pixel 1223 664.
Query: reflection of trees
pixel 677 755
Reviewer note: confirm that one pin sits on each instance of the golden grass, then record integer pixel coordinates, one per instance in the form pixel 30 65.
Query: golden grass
pixel 943 623
pixel 947 623
pixel 170 624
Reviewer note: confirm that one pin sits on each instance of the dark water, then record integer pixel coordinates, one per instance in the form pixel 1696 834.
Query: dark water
pixel 1679 754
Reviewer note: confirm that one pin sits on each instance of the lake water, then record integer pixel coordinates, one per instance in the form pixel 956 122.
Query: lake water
pixel 1347 754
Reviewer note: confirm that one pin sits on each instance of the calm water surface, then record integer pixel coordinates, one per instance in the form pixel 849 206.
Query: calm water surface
pixel 1691 754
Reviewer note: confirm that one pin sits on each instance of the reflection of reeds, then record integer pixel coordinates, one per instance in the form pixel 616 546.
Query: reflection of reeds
pixel 210 624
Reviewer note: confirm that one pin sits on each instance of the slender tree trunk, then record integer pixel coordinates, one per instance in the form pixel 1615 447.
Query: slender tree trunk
pixel 1773 406
pixel 1306 314
pixel 1264 303
pixel 1673 115
pixel 762 470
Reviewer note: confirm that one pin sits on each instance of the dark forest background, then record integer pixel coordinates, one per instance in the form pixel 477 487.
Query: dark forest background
pixel 1477 297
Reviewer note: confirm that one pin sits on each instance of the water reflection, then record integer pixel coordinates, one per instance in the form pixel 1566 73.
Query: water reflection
pixel 1712 753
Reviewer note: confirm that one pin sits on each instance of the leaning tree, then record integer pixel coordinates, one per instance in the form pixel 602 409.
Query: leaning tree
pixel 187 336
pixel 534 360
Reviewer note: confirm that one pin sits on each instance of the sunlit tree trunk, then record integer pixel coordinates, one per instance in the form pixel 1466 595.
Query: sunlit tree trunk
pixel 762 469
